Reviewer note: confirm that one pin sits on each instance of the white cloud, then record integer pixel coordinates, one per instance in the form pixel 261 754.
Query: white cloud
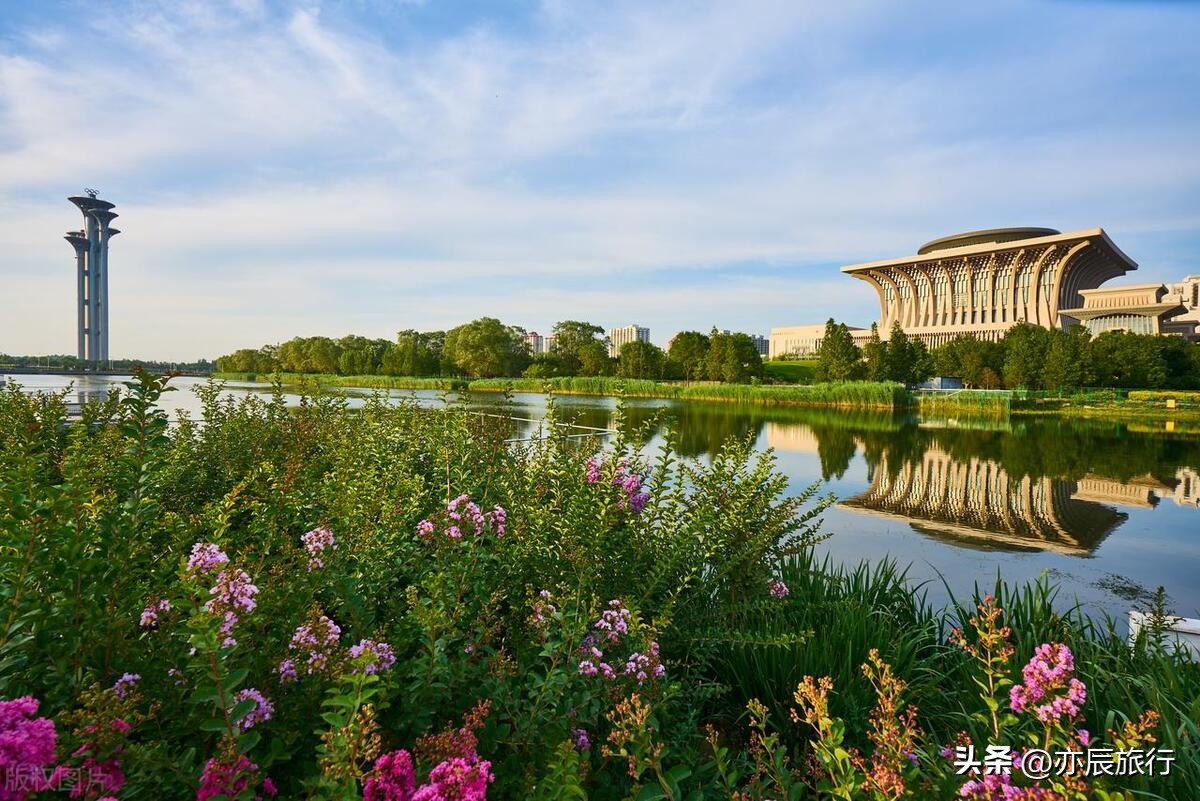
pixel 293 172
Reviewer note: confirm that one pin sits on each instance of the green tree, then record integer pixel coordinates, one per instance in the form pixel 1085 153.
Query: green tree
pixel 874 355
pixel 908 360
pixel 690 350
pixel 977 362
pixel 1025 348
pixel 487 348
pixel 547 365
pixel 732 358
pixel 594 359
pixel 1122 359
pixel 838 358
pixel 1066 362
pixel 641 360
pixel 414 353
pixel 571 336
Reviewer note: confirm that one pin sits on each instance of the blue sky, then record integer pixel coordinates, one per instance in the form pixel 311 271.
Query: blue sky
pixel 370 165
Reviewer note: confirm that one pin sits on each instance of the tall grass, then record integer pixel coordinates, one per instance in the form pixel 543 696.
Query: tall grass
pixel 991 404
pixel 853 394
pixel 365 381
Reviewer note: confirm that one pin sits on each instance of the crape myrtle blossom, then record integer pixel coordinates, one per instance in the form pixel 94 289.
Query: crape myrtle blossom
pixel 125 684
pixel 461 777
pixel 376 657
pixel 314 643
pixel 612 626
pixel 206 558
pixel 464 517
pixel 317 542
pixel 777 589
pixel 26 749
pixel 542 608
pixel 232 594
pixel 580 739
pixel 1046 675
pixel 150 614
pixel 259 713
pixel 225 780
pixel 625 478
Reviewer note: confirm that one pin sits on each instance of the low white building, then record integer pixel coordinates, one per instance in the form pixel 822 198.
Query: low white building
pixel 803 341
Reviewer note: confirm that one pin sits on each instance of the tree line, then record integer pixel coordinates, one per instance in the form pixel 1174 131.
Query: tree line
pixel 487 348
pixel 1027 356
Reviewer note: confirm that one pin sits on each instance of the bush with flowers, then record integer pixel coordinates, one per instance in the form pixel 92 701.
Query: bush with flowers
pixel 403 604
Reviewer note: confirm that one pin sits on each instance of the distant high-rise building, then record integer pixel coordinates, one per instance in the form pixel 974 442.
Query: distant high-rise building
pixel 630 333
pixel 539 343
pixel 761 344
pixel 91 268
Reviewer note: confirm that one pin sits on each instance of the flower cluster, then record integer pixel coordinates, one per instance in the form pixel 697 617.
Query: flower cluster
pixel 777 589
pixel 26 749
pixel 317 542
pixel 228 778
pixel 614 621
pixel 206 558
pixel 458 778
pixel 628 480
pixel 612 626
pixel 464 515
pixel 372 657
pixel 643 666
pixel 232 594
pixel 1048 672
pixel 259 713
pixel 151 612
pixel 314 643
pixel 125 684
pixel 580 739
pixel 542 608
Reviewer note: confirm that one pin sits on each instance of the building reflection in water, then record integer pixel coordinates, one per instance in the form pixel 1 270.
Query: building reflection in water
pixel 978 501
pixel 1143 491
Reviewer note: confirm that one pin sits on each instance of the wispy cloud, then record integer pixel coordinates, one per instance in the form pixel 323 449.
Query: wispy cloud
pixel 284 169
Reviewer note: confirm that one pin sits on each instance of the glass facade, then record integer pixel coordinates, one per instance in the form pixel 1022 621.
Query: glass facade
pixel 1135 323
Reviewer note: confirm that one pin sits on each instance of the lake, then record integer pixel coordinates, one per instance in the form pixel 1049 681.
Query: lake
pixel 1109 511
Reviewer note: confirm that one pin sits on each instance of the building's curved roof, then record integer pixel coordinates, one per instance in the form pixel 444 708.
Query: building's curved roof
pixel 986 236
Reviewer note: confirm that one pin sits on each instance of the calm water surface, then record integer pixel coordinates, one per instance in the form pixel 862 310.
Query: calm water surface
pixel 1110 511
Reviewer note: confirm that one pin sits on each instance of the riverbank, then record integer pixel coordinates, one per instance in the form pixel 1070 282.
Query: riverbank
pixel 854 394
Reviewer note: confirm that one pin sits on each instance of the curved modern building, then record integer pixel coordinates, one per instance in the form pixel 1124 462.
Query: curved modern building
pixel 985 282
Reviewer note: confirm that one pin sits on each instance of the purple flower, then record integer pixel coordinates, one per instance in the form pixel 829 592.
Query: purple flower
pixel 499 519
pixel 425 529
pixel 315 641
pixel 150 613
pixel 593 469
pixel 232 594
pixel 125 684
pixel 206 558
pixel 778 589
pixel 580 738
pixel 377 656
pixel 454 533
pixel 316 542
pixel 259 713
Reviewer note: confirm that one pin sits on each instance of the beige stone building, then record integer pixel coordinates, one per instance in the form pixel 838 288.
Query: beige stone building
pixel 985 282
pixel 802 341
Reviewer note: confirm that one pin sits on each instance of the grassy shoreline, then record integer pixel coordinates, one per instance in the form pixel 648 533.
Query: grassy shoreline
pixel 1141 406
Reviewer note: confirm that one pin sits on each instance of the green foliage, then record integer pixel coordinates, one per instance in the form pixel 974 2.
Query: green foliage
pixel 690 350
pixel 486 348
pixel 838 358
pixel 732 358
pixel 571 337
pixel 641 360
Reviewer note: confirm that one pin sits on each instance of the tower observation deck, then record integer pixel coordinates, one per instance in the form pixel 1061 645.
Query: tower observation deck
pixel 91 267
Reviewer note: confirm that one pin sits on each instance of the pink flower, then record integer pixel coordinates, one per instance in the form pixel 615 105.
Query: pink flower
pixel 1045 676
pixel 26 749
pixel 259 713
pixel 778 589
pixel 392 778
pixel 316 542
pixel 206 558
pixel 222 779
pixel 457 779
